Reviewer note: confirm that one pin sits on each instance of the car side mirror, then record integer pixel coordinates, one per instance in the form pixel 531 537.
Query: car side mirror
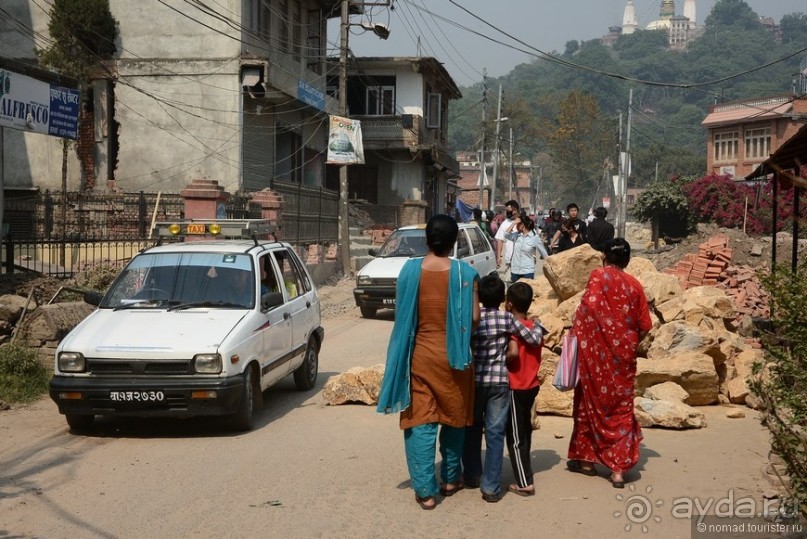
pixel 372 252
pixel 93 298
pixel 270 300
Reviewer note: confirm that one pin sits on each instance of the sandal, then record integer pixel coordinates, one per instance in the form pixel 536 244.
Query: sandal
pixel 426 503
pixel 576 467
pixel 615 483
pixel 515 489
pixel 445 491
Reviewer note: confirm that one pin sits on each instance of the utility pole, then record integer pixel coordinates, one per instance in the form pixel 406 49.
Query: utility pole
pixel 344 225
pixel 625 172
pixel 496 151
pixel 510 161
pixel 483 176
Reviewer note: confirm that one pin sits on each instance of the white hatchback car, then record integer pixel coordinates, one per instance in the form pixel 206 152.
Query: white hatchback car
pixel 193 328
pixel 375 282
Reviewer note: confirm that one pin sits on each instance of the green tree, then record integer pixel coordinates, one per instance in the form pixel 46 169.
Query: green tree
pixel 732 13
pixel 794 28
pixel 580 140
pixel 781 385
pixel 83 34
pixel 665 203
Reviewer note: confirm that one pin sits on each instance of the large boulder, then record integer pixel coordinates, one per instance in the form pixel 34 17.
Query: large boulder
pixel 639 265
pixel 567 308
pixel 737 386
pixel 696 303
pixel 541 287
pixel 680 337
pixel 357 385
pixel 568 271
pixel 668 391
pixel 659 287
pixel 49 324
pixel 667 414
pixel 693 371
pixel 554 329
pixel 552 401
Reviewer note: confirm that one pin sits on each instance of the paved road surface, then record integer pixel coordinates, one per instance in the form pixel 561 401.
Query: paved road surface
pixel 309 470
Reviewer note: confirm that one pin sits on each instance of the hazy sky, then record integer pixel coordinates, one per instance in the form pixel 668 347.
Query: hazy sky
pixel 544 24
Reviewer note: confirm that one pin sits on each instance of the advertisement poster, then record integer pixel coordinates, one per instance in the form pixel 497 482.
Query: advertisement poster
pixel 32 105
pixel 344 142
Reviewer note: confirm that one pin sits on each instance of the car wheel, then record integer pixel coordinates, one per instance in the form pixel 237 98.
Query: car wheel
pixel 242 419
pixel 367 312
pixel 79 421
pixel 305 376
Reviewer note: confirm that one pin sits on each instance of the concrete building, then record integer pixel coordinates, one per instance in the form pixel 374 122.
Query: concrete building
pixel 743 134
pixel 523 188
pixel 402 103
pixel 233 91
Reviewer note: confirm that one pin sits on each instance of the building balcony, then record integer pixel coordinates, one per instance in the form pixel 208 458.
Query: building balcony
pixel 406 132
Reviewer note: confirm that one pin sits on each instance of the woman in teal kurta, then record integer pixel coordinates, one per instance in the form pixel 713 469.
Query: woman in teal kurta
pixel 429 374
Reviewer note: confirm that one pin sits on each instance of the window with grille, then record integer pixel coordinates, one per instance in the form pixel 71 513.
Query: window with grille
pixel 283 16
pixel 726 145
pixel 758 143
pixel 297 32
pixel 380 100
pixel 434 109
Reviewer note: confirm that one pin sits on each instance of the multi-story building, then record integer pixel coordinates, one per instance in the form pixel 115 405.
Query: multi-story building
pixel 402 104
pixel 232 91
pixel 743 134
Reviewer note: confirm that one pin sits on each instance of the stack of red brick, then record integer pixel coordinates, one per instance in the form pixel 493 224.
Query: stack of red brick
pixel 711 266
pixel 706 267
pixel 742 284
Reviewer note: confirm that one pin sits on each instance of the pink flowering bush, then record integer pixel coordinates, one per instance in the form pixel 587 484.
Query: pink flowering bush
pixel 719 199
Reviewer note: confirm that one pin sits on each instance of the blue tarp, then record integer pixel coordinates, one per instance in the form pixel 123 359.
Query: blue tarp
pixel 464 211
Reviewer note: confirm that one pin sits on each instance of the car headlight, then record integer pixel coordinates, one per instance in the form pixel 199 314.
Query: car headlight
pixel 72 362
pixel 207 363
pixel 363 280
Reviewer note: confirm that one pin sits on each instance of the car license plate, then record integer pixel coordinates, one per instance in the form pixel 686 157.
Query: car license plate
pixel 136 396
pixel 195 228
pixel 388 301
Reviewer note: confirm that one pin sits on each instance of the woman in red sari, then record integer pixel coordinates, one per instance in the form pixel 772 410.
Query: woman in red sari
pixel 612 318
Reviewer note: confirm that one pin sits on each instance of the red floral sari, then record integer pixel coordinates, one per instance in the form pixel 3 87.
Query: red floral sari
pixel 612 312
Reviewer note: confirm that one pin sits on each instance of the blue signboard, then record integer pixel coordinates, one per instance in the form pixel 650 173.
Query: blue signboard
pixel 310 95
pixel 33 105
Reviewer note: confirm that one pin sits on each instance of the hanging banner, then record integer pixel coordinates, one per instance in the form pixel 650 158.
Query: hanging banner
pixel 606 202
pixel 32 105
pixel 483 178
pixel 344 142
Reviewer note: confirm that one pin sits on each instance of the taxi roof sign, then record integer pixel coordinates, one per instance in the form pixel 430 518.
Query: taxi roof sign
pixel 221 228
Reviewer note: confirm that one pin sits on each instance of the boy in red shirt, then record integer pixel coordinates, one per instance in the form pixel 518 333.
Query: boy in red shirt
pixel 523 361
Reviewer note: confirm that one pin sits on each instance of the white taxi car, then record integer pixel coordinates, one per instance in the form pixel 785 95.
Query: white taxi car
pixel 193 328
pixel 375 282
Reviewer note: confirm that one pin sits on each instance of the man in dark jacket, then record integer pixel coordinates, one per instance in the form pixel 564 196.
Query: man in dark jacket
pixel 599 230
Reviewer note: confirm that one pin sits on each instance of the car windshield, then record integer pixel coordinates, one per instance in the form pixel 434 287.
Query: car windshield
pixel 184 280
pixel 406 243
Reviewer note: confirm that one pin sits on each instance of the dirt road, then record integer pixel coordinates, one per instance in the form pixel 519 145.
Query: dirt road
pixel 310 470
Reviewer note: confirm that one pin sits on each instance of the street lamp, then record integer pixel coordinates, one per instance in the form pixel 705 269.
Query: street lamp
pixel 383 32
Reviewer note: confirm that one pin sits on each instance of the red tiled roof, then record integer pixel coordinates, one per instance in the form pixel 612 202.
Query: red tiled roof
pixel 751 112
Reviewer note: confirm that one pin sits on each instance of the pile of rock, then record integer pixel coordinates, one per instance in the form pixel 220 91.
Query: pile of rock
pixel 692 357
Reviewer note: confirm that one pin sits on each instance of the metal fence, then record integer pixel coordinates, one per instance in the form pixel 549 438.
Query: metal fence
pixel 62 235
pixel 310 214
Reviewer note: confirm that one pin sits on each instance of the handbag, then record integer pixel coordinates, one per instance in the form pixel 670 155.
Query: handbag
pixel 567 373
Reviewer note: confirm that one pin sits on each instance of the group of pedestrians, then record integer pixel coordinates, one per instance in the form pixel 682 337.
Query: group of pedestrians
pixel 457 371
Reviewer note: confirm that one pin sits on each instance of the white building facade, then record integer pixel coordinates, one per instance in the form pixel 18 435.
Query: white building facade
pixel 233 91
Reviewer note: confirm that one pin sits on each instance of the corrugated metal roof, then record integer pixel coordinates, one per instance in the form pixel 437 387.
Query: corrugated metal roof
pixel 738 112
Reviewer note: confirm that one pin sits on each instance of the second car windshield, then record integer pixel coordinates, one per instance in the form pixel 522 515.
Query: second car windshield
pixel 406 243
